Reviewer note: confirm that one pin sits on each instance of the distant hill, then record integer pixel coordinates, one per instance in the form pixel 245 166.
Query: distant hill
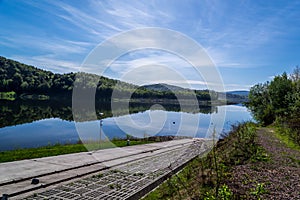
pixel 232 96
pixel 164 87
pixel 204 95
pixel 237 96
pixel 239 92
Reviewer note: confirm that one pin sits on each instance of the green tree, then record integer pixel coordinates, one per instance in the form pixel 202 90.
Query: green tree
pixel 24 86
pixel 260 103
pixel 278 99
pixel 279 90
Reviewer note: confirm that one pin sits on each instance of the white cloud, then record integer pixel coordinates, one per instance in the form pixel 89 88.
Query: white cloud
pixel 48 62
pixel 90 22
pixel 136 14
pixel 51 45
pixel 93 23
pixel 232 87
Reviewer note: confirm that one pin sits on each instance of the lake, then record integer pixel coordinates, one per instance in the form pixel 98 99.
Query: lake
pixel 26 124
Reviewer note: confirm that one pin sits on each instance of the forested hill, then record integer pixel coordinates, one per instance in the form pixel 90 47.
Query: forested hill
pixel 24 79
pixel 21 78
pixel 231 97
pixel 29 80
pixel 164 87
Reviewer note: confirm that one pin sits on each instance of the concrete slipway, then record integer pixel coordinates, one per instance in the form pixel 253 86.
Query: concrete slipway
pixel 118 173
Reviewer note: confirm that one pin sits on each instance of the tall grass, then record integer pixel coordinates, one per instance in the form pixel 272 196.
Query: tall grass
pixel 289 130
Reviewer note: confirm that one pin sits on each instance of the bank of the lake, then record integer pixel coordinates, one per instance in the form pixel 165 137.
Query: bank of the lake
pixel 250 163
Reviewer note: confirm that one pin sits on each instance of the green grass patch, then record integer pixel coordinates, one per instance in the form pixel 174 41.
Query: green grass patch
pixel 60 149
pixel 283 134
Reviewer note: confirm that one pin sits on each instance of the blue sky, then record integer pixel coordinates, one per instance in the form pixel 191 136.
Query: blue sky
pixel 249 41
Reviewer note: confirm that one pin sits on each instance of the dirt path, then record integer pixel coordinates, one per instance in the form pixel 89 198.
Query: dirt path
pixel 278 178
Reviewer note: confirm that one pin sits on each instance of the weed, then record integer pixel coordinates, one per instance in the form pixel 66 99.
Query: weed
pixel 224 193
pixel 138 174
pixel 115 171
pixel 111 186
pixel 98 176
pixel 293 159
pixel 259 190
pixel 118 186
pixel 260 155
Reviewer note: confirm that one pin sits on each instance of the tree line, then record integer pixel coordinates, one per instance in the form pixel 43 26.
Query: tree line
pixel 278 101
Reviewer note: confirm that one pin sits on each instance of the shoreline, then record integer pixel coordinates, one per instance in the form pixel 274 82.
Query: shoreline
pixel 62 149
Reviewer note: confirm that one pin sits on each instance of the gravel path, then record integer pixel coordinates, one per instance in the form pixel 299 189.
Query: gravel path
pixel 280 176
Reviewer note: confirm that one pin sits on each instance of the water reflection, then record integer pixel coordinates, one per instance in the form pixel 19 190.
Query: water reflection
pixel 20 112
pixel 30 124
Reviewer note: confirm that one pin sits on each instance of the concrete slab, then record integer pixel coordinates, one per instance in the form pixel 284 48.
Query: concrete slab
pixel 68 160
pixel 27 168
pixel 18 170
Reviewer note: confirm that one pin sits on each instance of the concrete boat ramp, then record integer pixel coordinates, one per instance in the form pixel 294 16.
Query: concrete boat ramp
pixel 118 173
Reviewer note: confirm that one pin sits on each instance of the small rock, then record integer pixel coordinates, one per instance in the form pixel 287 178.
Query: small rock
pixel 35 181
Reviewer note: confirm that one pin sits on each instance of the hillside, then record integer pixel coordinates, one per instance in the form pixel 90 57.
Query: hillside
pixel 25 79
pixel 28 82
pixel 164 87
pixel 232 96
pixel 239 92
pixel 237 96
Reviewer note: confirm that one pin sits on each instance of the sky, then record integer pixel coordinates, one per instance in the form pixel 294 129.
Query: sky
pixel 248 41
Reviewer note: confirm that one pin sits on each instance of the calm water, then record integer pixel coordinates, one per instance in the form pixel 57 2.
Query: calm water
pixel 26 124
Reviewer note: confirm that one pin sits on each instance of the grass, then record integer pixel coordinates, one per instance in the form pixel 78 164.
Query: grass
pixel 60 149
pixel 283 135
